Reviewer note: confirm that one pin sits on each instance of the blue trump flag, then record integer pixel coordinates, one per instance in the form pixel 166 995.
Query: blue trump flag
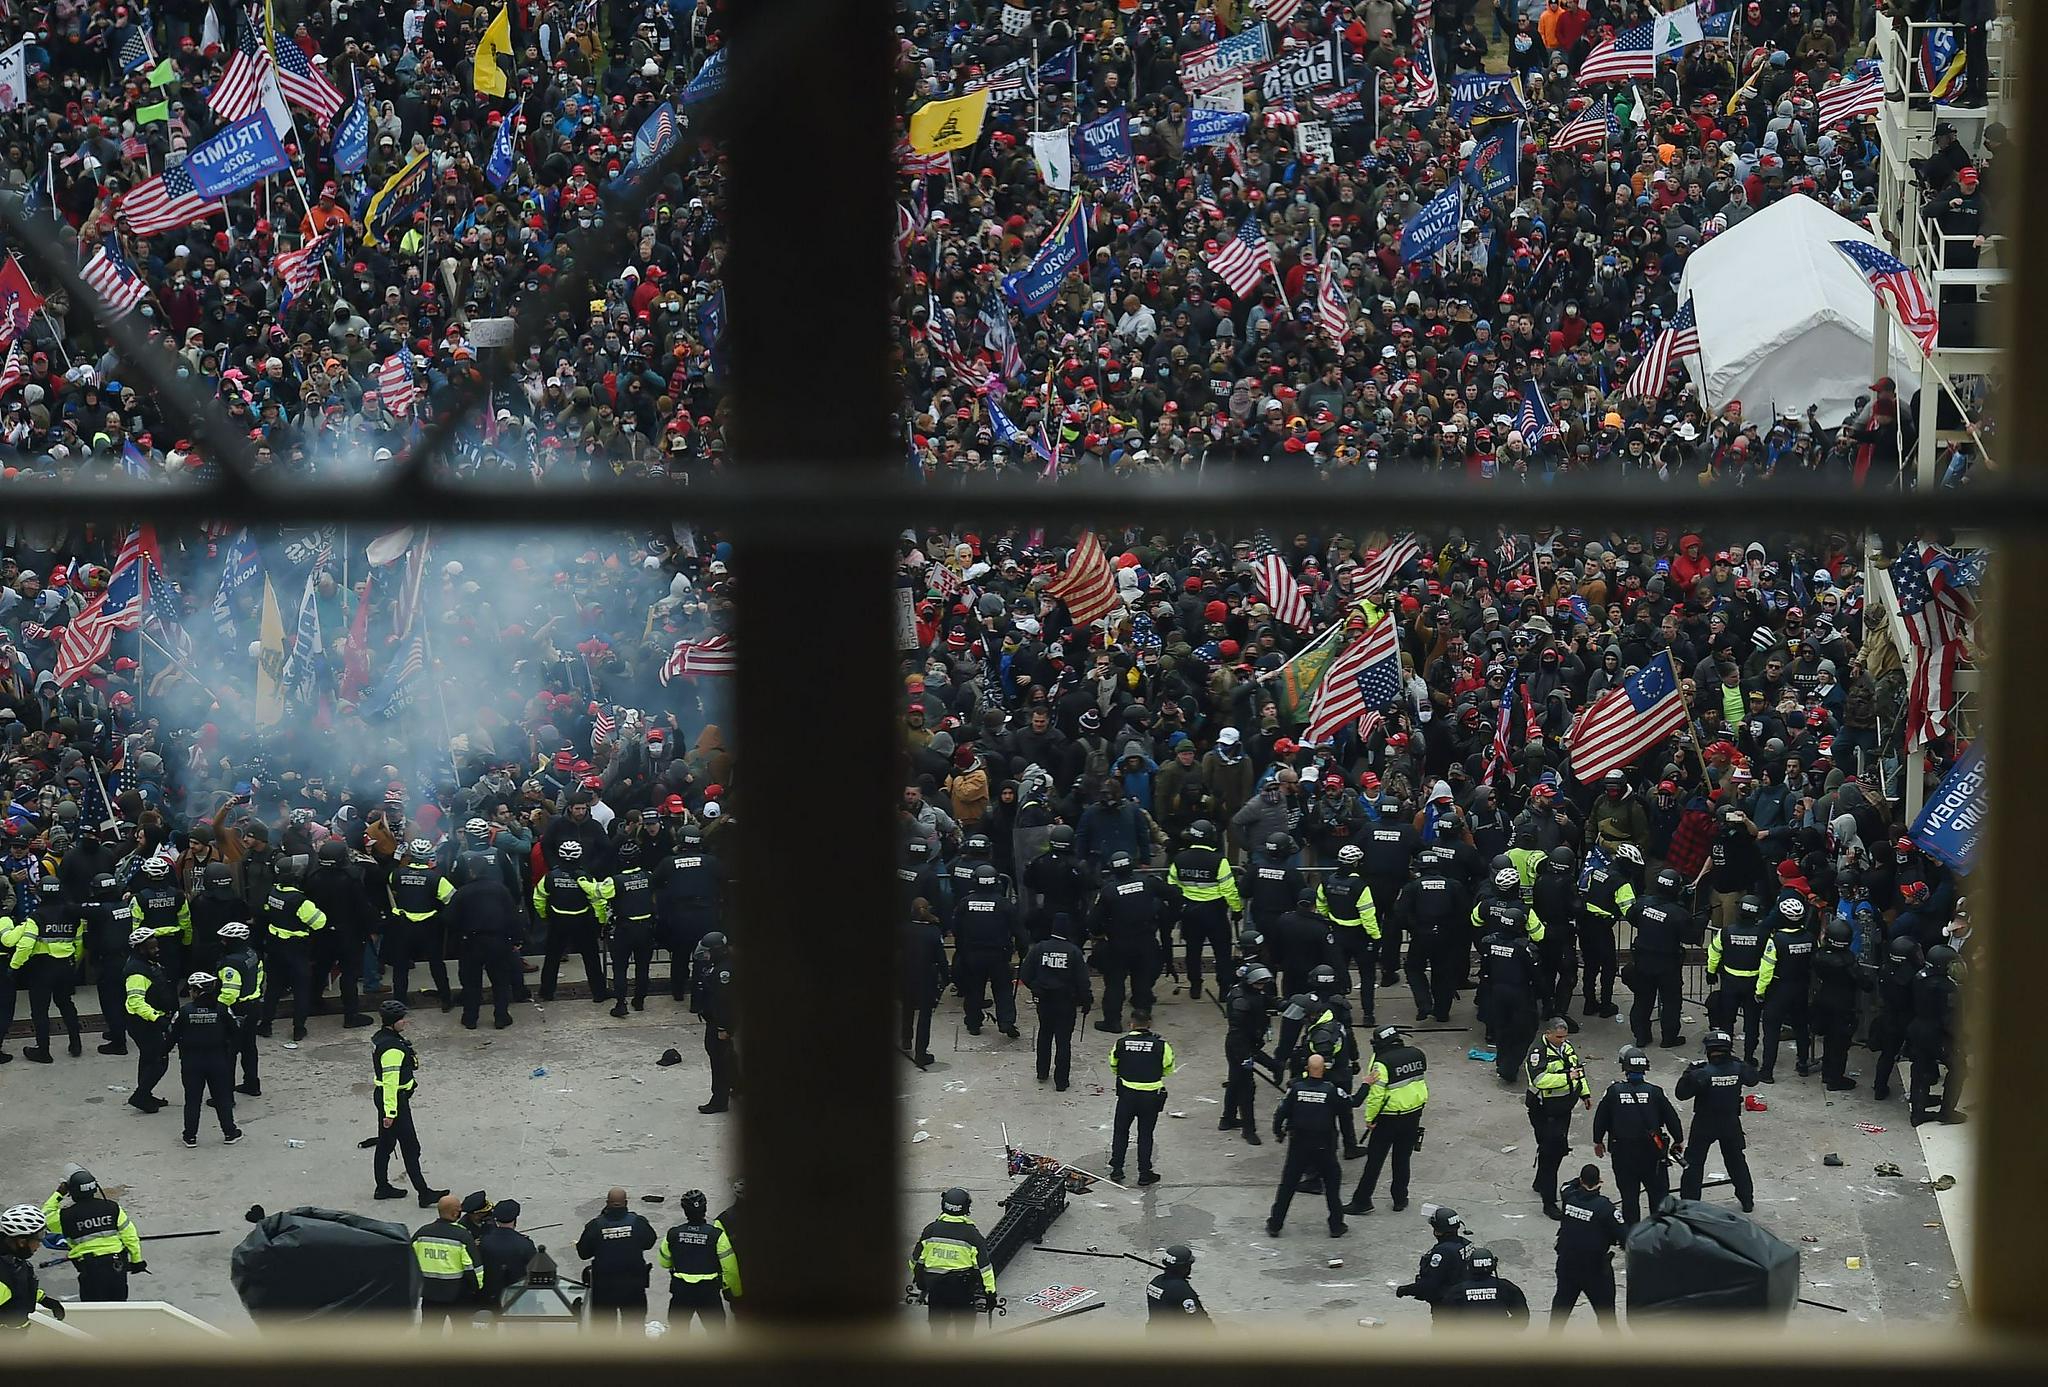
pixel 1952 821
pixel 1435 226
pixel 352 136
pixel 1467 90
pixel 498 169
pixel 709 81
pixel 1105 146
pixel 1010 436
pixel 1065 248
pixel 657 135
pixel 1494 166
pixel 240 156
pixel 1213 127
pixel 1062 68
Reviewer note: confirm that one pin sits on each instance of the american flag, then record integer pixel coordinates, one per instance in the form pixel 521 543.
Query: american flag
pixel 1244 259
pixel 1332 306
pixel 16 369
pixel 946 341
pixel 1279 590
pixel 1013 81
pixel 394 381
pixel 1376 573
pixel 1845 101
pixel 1534 419
pixel 1282 118
pixel 1369 726
pixel 1279 13
pixel 1676 342
pixel 85 642
pixel 1365 677
pixel 1427 91
pixel 1501 756
pixel 165 609
pixel 1205 198
pixel 1629 56
pixel 1086 585
pixel 165 203
pixel 916 165
pixel 117 285
pixel 1936 612
pixel 300 269
pixel 305 85
pixel 240 89
pixel 1900 286
pixel 602 727
pixel 1001 337
pixel 714 655
pixel 1593 126
pixel 1627 720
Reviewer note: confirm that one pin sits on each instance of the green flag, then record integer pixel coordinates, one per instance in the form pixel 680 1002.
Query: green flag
pixel 1298 680
pixel 163 74
pixel 145 114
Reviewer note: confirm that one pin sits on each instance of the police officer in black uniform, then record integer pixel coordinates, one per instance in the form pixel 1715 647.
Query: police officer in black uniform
pixel 1586 1238
pixel 1661 924
pixel 1130 917
pixel 1837 978
pixel 1170 1299
pixel 1273 882
pixel 49 971
pixel 1556 1080
pixel 1735 956
pixel 1510 970
pixel 1894 1018
pixel 1328 1033
pixel 1932 1041
pixel 1141 1059
pixel 290 920
pixel 1307 1118
pixel 687 887
pixel 148 999
pixel 1609 892
pixel 1388 847
pixel 923 975
pixel 633 923
pixel 1715 1086
pixel 485 918
pixel 419 893
pixel 336 887
pixel 505 1252
pixel 204 1033
pixel 1446 1263
pixel 217 903
pixel 919 878
pixel 1785 984
pixel 985 931
pixel 616 1244
pixel 1244 1045
pixel 690 1255
pixel 1636 1119
pixel 1434 909
pixel 1056 971
pixel 1300 942
pixel 1554 896
pixel 1484 1294
pixel 1057 880
pixel 718 1004
pixel 106 943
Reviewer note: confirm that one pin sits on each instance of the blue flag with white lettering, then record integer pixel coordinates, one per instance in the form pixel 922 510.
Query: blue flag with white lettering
pixel 352 136
pixel 1206 127
pixel 499 167
pixel 709 81
pixel 1494 165
pixel 1065 248
pixel 1435 226
pixel 657 135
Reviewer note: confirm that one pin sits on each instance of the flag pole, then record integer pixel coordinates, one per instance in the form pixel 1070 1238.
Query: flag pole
pixel 440 697
pixel 179 664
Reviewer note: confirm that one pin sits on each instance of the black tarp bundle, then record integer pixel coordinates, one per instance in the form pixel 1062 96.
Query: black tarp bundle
pixel 312 1263
pixel 1692 1256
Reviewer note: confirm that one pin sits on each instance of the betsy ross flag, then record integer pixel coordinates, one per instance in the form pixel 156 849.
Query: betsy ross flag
pixel 394 381
pixel 1243 260
pixel 1375 574
pixel 1630 55
pixel 1845 101
pixel 1332 305
pixel 1534 420
pixel 1898 285
pixel 165 203
pixel 113 280
pixel 303 84
pixel 1936 612
pixel 300 269
pixel 1676 342
pixel 1630 718
pixel 240 89
pixel 1364 678
pixel 1279 590
pixel 1086 585
pixel 714 656
pixel 1594 126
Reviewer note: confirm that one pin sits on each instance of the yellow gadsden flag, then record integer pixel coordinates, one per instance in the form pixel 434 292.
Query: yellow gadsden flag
pixel 270 662
pixel 489 78
pixel 944 126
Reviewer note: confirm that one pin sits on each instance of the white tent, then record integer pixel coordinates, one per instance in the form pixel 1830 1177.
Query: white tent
pixel 1784 319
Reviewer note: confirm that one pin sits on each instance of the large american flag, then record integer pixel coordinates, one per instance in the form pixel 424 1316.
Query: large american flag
pixel 1845 101
pixel 1630 55
pixel 1936 612
pixel 1502 755
pixel 116 284
pixel 240 89
pixel 1087 585
pixel 300 269
pixel 1279 13
pixel 90 635
pixel 916 165
pixel 165 203
pixel 1630 718
pixel 1896 283
pixel 1592 127
pixel 1244 259
pixel 303 84
pixel 1681 339
pixel 1332 307
pixel 714 655
pixel 1376 573
pixel 1279 590
pixel 394 381
pixel 1364 678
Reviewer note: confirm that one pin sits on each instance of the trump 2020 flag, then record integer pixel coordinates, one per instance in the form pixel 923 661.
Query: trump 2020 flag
pixel 656 136
pixel 709 81
pixel 352 136
pixel 1435 226
pixel 1206 127
pixel 1106 153
pixel 1065 247
pixel 499 167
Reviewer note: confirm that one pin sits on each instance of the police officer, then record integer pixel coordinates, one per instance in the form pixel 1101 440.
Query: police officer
pixel 1586 1239
pixel 1301 1008
pixel 1894 1009
pixel 1715 1085
pixel 1610 893
pixel 45 958
pixel 574 905
pixel 1556 1081
pixel 1661 922
pixel 985 931
pixel 1837 978
pixel 21 1231
pixel 1345 899
pixel 716 1001
pixel 1307 1118
pixel 1735 956
pixel 159 906
pixel 1207 887
pixel 1395 1095
pixel 1057 881
pixel 688 883
pixel 1510 970
pixel 419 890
pixel 694 1254
pixel 616 1244
pixel 633 922
pixel 394 1066
pixel 923 975
pixel 1784 984
pixel 1388 845
pixel 215 904
pixel 1485 1294
pixel 1170 1299
pixel 1640 1124
pixel 1300 942
pixel 148 997
pixel 106 940
pixel 104 1247
pixel 1244 1045
pixel 291 919
pixel 1056 971
pixel 335 887
pixel 1141 1061
pixel 976 851
pixel 451 1276
pixel 919 878
pixel 950 1264
pixel 206 1036
pixel 1931 1041
pixel 1434 908
pixel 1554 897
pixel 1446 1263
pixel 1130 916
pixel 1328 1033
pixel 1274 881
pixel 484 917
pixel 505 1251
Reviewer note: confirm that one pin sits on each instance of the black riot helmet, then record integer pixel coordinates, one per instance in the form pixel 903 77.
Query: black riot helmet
pixel 1323 979
pixel 1280 847
pixel 955 1201
pixel 1751 908
pixel 1669 882
pixel 1444 1221
pixel 1180 1260
pixel 1249 939
pixel 331 852
pixel 1386 1038
pixel 985 874
pixel 1060 839
pixel 917 849
pixel 1941 958
pixel 1121 862
pixel 977 845
pixel 217 879
pixel 1560 859
pixel 1483 1262
pixel 1633 1060
pixel 1904 949
pixel 1201 831
pixel 1718 1042
pixel 1840 932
